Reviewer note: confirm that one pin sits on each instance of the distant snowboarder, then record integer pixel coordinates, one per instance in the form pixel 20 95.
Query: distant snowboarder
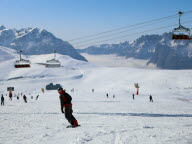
pixel 2 100
pixel 107 95
pixel 65 100
pixel 150 98
pixel 133 96
pixel 25 98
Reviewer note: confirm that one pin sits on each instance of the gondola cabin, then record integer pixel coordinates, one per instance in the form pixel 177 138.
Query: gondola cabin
pixel 53 63
pixel 181 33
pixel 22 63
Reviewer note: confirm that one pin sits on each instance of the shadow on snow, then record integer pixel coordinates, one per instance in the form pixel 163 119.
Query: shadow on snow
pixel 139 114
pixel 108 114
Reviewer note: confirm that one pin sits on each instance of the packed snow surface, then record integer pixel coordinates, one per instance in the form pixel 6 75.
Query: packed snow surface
pixel 119 120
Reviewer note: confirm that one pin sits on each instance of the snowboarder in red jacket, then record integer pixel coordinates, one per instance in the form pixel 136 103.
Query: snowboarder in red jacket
pixel 65 100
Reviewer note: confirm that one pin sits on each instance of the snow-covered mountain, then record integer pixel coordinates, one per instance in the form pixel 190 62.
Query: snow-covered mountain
pixel 34 41
pixel 158 49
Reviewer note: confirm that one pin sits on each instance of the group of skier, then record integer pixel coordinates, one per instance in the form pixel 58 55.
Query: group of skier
pixel 65 103
pixel 150 97
pixel 107 95
pixel 11 95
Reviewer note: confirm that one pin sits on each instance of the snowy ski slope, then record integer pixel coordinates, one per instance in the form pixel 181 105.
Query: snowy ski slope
pixel 119 120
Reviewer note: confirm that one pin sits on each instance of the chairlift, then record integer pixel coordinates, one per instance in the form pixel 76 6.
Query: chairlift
pixel 181 33
pixel 53 62
pixel 22 63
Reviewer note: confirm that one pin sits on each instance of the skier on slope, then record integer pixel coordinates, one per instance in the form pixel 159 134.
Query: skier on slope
pixel 150 98
pixel 2 100
pixel 10 95
pixel 25 99
pixel 65 100
pixel 133 96
pixel 37 97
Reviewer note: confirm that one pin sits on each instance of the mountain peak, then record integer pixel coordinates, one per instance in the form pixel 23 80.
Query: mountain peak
pixel 2 27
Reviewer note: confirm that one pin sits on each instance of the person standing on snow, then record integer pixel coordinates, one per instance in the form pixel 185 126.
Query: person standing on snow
pixel 2 100
pixel 65 100
pixel 150 98
pixel 25 99
pixel 37 97
pixel 10 95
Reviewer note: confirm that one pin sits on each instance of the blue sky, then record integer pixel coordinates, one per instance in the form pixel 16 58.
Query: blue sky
pixel 69 19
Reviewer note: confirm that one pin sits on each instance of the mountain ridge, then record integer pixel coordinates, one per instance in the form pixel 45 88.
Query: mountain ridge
pixel 151 48
pixel 34 41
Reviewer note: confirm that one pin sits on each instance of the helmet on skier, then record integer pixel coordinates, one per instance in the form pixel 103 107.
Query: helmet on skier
pixel 60 89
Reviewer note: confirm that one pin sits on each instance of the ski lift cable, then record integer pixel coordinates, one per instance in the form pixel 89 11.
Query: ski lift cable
pixel 130 35
pixel 129 26
pixel 117 32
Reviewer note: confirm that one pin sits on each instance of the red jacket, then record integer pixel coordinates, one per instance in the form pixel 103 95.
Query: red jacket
pixel 65 99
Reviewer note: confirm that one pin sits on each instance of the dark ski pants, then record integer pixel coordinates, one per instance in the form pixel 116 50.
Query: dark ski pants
pixel 2 102
pixel 69 116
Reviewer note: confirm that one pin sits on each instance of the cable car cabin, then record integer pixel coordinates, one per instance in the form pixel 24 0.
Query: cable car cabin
pixel 181 33
pixel 22 63
pixel 53 63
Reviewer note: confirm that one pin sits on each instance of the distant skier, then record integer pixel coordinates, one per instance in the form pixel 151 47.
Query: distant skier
pixel 65 100
pixel 25 98
pixel 43 90
pixel 107 95
pixel 18 97
pixel 150 98
pixel 37 97
pixel 92 90
pixel 31 97
pixel 113 96
pixel 2 100
pixel 10 95
pixel 133 96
